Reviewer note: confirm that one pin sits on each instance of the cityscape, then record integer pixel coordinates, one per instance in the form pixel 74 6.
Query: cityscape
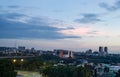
pixel 95 60
pixel 22 51
pixel 59 38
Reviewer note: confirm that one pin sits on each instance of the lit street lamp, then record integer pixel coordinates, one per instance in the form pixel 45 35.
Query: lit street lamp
pixel 14 60
pixel 22 60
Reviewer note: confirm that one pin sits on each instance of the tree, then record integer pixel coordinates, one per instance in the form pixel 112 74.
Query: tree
pixel 106 69
pixel 7 69
pixel 118 74
pixel 65 71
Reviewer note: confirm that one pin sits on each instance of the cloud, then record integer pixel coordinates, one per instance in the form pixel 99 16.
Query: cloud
pixel 95 33
pixel 13 6
pixel 31 27
pixel 83 31
pixel 88 18
pixel 11 15
pixel 108 7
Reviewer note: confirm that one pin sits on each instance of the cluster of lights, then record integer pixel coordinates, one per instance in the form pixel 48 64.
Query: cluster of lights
pixel 14 60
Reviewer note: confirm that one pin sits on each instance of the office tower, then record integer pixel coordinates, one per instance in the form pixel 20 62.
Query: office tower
pixel 106 49
pixel 61 54
pixel 100 49
pixel 101 52
pixel 69 54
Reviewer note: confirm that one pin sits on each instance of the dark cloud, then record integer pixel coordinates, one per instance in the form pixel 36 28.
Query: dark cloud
pixel 13 6
pixel 11 15
pixel 113 7
pixel 35 28
pixel 88 18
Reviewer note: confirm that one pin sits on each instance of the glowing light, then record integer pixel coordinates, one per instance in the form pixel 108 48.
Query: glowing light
pixel 22 60
pixel 14 60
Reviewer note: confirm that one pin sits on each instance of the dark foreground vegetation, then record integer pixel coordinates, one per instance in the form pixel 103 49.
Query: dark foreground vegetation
pixel 7 69
pixel 65 71
pixel 45 64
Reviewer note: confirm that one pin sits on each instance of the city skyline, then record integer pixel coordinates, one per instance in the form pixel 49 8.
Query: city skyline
pixel 60 24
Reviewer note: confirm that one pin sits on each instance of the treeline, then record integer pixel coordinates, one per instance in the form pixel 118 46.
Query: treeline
pixel 100 59
pixel 34 64
pixel 118 73
pixel 7 68
pixel 65 71
pixel 37 63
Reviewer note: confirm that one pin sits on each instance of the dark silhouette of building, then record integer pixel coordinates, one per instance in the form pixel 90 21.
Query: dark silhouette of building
pixel 100 49
pixel 106 49
pixel 103 50
pixel 21 48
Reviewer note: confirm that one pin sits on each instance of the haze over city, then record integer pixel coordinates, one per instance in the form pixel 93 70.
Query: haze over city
pixel 60 24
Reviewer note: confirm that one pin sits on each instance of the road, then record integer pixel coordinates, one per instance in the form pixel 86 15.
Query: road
pixel 28 74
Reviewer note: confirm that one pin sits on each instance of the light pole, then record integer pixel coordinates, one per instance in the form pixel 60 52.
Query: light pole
pixel 14 63
pixel 22 60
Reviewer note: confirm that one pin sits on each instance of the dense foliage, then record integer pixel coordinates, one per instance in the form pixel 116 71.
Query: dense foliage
pixel 7 69
pixel 34 64
pixel 65 71
pixel 118 74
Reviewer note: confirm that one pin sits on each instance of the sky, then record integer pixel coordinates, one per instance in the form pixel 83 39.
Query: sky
pixel 75 25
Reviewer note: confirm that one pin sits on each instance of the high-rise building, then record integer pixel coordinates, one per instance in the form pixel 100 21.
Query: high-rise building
pixel 100 49
pixel 106 49
pixel 64 53
pixel 32 49
pixel 103 50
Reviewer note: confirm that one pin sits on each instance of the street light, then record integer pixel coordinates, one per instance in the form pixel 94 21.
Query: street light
pixel 14 60
pixel 22 60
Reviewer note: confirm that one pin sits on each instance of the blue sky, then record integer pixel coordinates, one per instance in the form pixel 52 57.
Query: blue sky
pixel 60 24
